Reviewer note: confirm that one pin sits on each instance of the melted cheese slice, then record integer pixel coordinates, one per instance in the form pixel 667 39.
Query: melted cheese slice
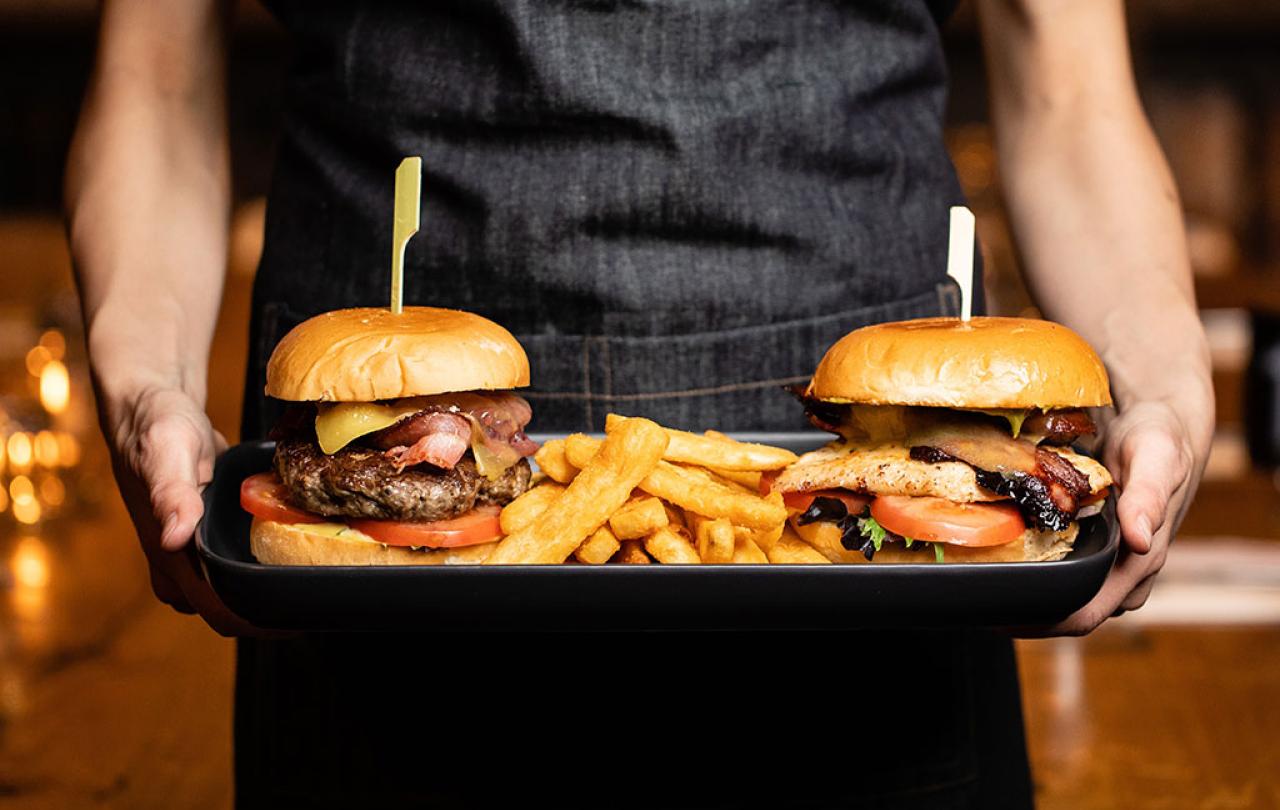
pixel 335 530
pixel 341 423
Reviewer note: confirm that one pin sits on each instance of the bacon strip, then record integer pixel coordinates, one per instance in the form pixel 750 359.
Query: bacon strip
pixel 1047 489
pixel 443 443
pixel 442 432
pixel 1060 427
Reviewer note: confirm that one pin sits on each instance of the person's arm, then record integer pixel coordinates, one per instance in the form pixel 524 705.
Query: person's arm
pixel 147 195
pixel 1099 227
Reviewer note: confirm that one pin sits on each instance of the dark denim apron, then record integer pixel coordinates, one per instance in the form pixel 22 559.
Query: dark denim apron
pixel 677 205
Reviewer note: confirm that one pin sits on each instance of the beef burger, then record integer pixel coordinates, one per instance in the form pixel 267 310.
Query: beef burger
pixel 402 444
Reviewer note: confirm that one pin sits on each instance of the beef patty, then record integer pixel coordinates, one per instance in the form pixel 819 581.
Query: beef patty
pixel 359 482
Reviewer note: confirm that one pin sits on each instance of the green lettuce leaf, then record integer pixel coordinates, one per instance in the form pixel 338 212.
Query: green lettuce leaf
pixel 872 530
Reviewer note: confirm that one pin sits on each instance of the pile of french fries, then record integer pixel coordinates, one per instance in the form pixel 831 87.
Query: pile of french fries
pixel 647 494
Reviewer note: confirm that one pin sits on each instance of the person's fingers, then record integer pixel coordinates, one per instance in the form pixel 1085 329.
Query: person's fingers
pixel 183 568
pixel 214 446
pixel 1129 570
pixel 168 592
pixel 1152 468
pixel 168 458
pixel 1139 595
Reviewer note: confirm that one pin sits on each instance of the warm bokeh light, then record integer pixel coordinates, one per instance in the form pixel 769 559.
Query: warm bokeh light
pixel 4 499
pixel 19 447
pixel 55 387
pixel 31 572
pixel 4 451
pixel 68 450
pixel 21 488
pixel 53 342
pixel 52 491
pixel 30 563
pixel 27 511
pixel 37 359
pixel 46 448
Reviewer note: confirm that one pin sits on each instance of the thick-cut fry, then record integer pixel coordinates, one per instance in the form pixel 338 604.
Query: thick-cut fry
pixel 747 480
pixel 745 552
pixel 551 460
pixel 715 539
pixel 766 538
pixel 715 477
pixel 638 518
pixel 690 448
pixel 715 434
pixel 693 492
pixel 631 553
pixel 599 547
pixel 524 509
pixel 580 447
pixel 675 517
pixel 791 550
pixel 672 547
pixel 628 454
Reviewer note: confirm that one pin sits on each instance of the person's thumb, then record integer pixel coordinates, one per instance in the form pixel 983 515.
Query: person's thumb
pixel 1152 468
pixel 169 460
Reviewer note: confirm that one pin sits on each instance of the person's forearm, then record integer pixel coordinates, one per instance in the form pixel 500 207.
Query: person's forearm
pixel 1096 216
pixel 148 195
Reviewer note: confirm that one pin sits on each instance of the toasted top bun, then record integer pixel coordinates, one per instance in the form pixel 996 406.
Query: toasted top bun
pixel 945 362
pixel 274 543
pixel 362 355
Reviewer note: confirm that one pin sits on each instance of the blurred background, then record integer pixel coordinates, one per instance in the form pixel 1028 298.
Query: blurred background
pixel 107 698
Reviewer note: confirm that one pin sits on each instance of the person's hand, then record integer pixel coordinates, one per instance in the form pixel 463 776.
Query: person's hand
pixel 1156 455
pixel 162 451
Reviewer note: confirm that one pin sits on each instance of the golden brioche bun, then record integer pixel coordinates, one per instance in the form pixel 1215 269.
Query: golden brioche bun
pixel 293 544
pixel 948 363
pixel 1033 546
pixel 366 354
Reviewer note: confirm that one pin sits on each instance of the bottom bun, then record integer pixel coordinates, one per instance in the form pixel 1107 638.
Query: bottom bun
pixel 319 544
pixel 1033 546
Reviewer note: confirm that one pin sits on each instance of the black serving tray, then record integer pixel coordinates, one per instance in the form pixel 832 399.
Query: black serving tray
pixel 634 597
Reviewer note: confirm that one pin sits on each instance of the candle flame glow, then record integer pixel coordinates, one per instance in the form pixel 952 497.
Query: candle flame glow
pixel 30 563
pixel 37 359
pixel 19 446
pixel 52 491
pixel 45 446
pixel 55 387
pixel 54 343
pixel 26 510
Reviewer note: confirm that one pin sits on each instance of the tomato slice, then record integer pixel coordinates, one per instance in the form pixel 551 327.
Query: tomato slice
pixel 938 520
pixel 480 525
pixel 799 501
pixel 263 495
pixel 767 479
